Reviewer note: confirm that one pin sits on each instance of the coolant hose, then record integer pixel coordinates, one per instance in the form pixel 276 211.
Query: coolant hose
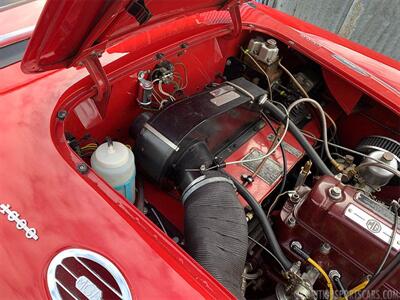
pixel 265 224
pixel 316 159
pixel 216 228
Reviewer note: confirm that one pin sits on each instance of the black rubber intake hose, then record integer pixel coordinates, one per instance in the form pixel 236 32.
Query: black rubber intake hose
pixel 216 228
pixel 316 159
pixel 265 224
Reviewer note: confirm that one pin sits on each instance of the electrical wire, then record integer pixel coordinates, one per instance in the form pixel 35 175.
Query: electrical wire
pixel 268 251
pixel 307 134
pixel 395 207
pixel 280 139
pixel 305 94
pixel 244 91
pixel 356 289
pixel 185 74
pixel 165 93
pixel 275 202
pixel 338 155
pixel 247 52
pixel 388 272
pixel 323 121
pixel 89 146
pixel 368 281
pixel 295 81
pixel 323 273
pixel 242 161
pixel 159 220
pixel 265 224
pixel 339 286
pixel 304 255
pixel 284 160
pixel 270 151
pixel 259 167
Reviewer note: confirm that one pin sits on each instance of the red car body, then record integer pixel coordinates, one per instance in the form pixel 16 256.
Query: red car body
pixel 38 175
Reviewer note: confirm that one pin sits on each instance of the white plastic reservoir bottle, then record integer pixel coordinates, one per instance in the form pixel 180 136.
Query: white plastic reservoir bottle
pixel 115 163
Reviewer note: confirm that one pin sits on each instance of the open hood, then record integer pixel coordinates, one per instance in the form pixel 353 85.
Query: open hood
pixel 67 31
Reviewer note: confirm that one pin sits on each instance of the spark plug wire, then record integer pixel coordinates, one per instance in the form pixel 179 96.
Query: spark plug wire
pixel 297 249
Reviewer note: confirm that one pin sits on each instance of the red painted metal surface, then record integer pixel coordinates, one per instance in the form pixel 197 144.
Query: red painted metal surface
pixel 38 174
pixel 68 31
pixel 374 74
pixel 355 250
pixel 372 119
pixel 17 23
pixel 260 188
pixel 344 93
pixel 69 210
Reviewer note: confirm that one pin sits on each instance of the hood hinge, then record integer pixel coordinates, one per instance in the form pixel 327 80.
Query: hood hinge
pixel 99 76
pixel 234 11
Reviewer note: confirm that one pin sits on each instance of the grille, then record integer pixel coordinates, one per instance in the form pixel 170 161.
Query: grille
pixel 81 274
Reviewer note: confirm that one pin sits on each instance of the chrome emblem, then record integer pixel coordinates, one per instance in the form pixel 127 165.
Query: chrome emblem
pixel 374 226
pixel 77 272
pixel 22 224
pixel 88 288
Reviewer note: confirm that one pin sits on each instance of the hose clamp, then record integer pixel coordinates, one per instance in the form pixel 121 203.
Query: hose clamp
pixel 200 182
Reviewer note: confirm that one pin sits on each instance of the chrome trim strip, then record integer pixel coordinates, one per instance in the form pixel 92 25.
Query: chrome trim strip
pixel 17 33
pixel 364 72
pixel 99 278
pixel 67 290
pixel 53 282
pixel 68 270
pixel 161 136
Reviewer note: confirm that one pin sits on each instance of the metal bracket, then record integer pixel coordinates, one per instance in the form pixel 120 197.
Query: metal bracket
pixel 98 75
pixel 234 12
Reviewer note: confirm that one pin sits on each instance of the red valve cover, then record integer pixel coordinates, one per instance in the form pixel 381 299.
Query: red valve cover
pixel 356 228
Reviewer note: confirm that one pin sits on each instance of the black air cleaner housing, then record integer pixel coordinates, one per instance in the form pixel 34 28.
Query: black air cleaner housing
pixel 211 119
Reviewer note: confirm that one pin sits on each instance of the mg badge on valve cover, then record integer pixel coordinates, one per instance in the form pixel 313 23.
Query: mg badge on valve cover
pixel 22 224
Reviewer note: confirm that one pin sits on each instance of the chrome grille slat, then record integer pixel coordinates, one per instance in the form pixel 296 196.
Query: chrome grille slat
pixel 99 278
pixel 68 270
pixel 79 267
pixel 67 290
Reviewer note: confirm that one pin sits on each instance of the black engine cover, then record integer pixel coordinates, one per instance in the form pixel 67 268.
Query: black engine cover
pixel 214 117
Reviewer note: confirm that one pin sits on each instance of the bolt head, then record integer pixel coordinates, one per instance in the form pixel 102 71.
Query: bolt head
pixel 335 193
pixel 291 221
pixel 387 156
pixel 61 115
pixel 159 56
pixel 271 43
pixel 295 198
pixel 325 248
pixel 82 168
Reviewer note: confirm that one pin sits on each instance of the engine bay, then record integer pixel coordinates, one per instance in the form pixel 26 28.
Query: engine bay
pixel 250 165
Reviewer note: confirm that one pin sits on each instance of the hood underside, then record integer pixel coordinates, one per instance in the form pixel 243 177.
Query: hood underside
pixel 69 30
